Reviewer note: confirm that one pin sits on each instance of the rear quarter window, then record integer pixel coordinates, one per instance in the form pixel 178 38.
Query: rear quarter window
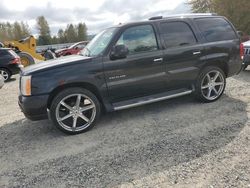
pixel 3 53
pixel 215 29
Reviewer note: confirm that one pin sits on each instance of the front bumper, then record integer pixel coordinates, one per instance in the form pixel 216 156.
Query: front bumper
pixel 34 107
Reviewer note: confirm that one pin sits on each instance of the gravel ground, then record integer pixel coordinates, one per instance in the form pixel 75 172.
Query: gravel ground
pixel 175 143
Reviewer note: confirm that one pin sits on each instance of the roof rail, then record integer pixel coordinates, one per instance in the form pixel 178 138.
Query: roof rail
pixel 180 15
pixel 156 18
pixel 196 14
pixel 192 14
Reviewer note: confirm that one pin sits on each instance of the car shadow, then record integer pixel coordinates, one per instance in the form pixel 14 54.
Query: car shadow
pixel 244 76
pixel 12 79
pixel 124 145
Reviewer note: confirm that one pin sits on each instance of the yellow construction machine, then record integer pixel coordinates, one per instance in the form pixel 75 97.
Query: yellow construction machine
pixel 26 49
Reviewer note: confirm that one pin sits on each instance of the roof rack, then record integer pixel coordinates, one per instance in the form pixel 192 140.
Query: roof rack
pixel 156 18
pixel 183 15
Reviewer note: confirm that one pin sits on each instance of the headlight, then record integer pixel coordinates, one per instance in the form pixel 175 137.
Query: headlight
pixel 25 85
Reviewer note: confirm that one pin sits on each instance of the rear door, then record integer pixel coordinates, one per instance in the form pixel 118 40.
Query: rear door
pixel 142 72
pixel 183 53
pixel 221 42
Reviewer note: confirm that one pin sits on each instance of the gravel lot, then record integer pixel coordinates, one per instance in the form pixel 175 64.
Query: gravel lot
pixel 175 143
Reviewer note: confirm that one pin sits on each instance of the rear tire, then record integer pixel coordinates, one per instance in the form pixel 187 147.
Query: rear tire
pixel 5 74
pixel 75 110
pixel 26 59
pixel 210 84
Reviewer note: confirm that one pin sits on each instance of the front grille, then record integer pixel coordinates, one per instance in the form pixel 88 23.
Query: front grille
pixel 247 51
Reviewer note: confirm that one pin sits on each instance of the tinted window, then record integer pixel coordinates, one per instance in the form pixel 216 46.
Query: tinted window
pixel 177 34
pixel 139 39
pixel 3 53
pixel 215 29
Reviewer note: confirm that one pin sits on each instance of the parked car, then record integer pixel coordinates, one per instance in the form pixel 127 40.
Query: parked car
pixel 74 49
pixel 130 65
pixel 246 59
pixel 1 81
pixel 10 63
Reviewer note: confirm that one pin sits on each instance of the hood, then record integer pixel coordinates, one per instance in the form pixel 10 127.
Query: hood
pixel 246 44
pixel 62 61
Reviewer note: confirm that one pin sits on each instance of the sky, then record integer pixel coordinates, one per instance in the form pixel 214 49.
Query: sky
pixel 97 14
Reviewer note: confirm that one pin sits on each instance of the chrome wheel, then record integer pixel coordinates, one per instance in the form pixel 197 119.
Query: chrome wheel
pixel 75 112
pixel 212 85
pixel 5 74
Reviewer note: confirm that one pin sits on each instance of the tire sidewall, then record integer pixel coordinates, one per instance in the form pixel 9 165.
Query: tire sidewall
pixel 198 90
pixel 66 93
pixel 8 72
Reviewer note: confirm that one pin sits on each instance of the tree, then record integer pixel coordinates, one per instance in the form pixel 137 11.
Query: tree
pixel 54 40
pixel 70 33
pixel 81 32
pixel 44 31
pixel 60 35
pixel 201 6
pixel 236 11
pixel 25 30
pixel 15 31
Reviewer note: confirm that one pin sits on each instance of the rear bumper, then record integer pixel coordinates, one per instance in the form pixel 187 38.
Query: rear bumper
pixel 14 68
pixel 34 107
pixel 246 59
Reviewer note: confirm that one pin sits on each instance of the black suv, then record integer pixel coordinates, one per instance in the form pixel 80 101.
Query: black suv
pixel 131 65
pixel 10 63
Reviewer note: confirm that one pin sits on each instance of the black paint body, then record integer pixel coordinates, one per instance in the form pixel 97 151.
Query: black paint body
pixel 137 75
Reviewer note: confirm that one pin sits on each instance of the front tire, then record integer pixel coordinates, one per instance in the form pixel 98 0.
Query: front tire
pixel 75 110
pixel 210 84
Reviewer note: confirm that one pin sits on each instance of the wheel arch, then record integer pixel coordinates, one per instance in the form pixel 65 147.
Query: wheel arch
pixel 92 88
pixel 6 68
pixel 221 64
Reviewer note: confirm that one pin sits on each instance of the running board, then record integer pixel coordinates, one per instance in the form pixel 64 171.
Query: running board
pixel 150 99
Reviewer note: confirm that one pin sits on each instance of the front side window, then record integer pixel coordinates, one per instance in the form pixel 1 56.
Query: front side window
pixel 177 34
pixel 139 39
pixel 99 43
pixel 215 29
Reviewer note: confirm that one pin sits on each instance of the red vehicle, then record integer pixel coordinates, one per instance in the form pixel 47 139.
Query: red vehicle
pixel 73 49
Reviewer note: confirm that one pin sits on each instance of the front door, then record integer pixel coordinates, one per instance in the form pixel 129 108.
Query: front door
pixel 142 72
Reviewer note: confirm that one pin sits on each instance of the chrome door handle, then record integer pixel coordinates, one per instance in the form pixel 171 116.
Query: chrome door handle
pixel 196 52
pixel 158 60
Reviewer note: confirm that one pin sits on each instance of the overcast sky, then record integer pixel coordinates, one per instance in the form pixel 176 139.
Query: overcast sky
pixel 97 14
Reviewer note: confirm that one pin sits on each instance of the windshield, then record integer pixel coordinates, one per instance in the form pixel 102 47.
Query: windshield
pixel 73 45
pixel 99 43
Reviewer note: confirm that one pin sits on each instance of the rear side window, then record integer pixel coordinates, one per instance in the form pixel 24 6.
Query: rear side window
pixel 215 29
pixel 177 34
pixel 3 53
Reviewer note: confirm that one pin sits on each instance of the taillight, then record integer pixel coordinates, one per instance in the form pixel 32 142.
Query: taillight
pixel 16 61
pixel 242 50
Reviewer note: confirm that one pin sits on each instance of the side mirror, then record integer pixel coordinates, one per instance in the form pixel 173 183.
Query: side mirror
pixel 118 52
